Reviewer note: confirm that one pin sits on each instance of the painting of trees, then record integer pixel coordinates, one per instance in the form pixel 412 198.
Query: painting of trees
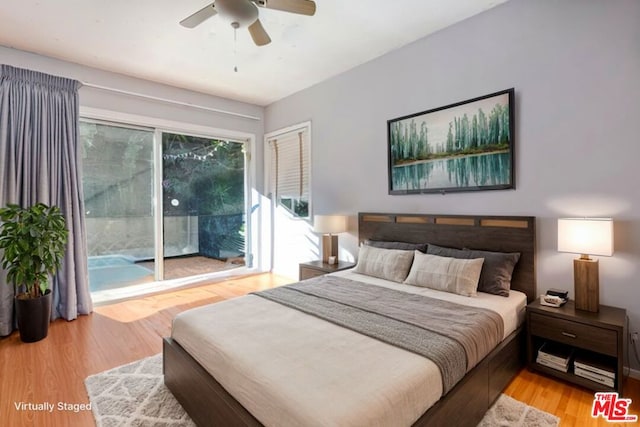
pixel 466 134
pixel 481 126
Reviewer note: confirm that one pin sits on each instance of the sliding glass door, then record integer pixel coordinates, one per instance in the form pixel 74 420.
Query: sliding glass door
pixel 203 205
pixel 118 197
pixel 198 228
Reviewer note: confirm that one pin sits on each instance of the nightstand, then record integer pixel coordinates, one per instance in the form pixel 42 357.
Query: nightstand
pixel 594 336
pixel 318 268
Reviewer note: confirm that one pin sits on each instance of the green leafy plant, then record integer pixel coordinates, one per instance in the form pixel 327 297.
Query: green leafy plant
pixel 34 241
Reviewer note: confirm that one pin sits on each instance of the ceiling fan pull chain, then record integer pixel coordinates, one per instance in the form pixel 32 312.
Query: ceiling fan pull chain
pixel 235 26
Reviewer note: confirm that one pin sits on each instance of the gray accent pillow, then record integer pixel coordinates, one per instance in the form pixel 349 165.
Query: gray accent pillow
pixel 496 271
pixel 403 246
pixel 454 275
pixel 390 264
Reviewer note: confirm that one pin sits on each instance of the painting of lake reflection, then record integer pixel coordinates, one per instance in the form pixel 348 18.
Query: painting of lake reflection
pixel 461 147
pixel 478 170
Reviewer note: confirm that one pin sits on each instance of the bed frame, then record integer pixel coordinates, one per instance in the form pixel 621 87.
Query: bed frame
pixel 207 402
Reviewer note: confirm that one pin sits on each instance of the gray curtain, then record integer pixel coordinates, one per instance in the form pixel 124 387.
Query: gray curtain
pixel 39 162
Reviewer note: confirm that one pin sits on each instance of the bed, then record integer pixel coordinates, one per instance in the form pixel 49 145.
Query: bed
pixel 389 384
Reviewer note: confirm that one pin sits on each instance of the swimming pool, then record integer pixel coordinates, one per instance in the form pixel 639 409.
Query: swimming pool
pixel 114 271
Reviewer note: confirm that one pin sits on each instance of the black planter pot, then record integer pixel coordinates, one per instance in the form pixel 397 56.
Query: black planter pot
pixel 33 316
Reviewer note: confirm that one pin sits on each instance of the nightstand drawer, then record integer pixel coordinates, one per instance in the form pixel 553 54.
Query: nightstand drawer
pixel 308 273
pixel 588 337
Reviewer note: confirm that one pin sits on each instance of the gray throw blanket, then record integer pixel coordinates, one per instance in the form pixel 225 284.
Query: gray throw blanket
pixel 455 337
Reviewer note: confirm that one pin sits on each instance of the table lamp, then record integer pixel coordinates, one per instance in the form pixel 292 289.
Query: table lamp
pixel 329 225
pixel 586 236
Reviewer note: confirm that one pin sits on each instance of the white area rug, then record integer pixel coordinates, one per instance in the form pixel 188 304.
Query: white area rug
pixel 135 395
pixel 508 412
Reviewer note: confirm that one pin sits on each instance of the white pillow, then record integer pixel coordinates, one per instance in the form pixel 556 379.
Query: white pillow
pixel 390 264
pixel 458 276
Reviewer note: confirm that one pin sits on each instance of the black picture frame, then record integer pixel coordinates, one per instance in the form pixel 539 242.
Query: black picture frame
pixel 465 146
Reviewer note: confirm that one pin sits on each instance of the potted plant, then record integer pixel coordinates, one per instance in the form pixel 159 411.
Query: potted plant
pixel 34 241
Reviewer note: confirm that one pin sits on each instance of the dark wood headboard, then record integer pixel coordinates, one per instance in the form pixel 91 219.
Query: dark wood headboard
pixel 491 233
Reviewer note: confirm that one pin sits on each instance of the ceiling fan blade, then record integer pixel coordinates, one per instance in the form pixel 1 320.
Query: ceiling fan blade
pixel 302 7
pixel 200 16
pixel 258 34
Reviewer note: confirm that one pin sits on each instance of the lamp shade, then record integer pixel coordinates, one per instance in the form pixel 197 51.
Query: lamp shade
pixel 591 236
pixel 329 224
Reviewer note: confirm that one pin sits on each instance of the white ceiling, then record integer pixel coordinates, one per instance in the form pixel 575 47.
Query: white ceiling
pixel 142 38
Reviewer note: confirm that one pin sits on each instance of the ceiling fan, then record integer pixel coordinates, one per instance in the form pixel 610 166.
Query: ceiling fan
pixel 244 13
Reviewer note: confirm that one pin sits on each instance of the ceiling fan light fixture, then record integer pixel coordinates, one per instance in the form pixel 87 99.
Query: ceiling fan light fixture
pixel 244 13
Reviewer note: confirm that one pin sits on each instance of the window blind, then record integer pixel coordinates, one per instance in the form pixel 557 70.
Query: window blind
pixel 290 165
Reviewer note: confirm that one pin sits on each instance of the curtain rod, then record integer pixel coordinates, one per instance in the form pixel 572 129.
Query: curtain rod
pixel 170 101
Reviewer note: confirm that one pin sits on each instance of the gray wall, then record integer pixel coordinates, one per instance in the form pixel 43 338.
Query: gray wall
pixel 575 67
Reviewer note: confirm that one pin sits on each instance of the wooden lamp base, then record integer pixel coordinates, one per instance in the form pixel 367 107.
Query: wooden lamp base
pixel 586 284
pixel 329 246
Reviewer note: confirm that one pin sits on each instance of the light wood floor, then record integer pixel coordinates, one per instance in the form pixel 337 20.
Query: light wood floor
pixel 53 370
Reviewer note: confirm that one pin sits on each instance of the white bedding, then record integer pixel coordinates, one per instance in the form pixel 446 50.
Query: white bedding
pixel 291 369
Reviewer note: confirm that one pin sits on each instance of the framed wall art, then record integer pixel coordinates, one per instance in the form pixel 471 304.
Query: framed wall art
pixel 466 146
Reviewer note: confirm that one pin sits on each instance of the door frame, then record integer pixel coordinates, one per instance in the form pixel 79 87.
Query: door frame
pixel 162 125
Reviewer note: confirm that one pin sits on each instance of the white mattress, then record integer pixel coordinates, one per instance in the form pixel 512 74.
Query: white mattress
pixel 291 369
